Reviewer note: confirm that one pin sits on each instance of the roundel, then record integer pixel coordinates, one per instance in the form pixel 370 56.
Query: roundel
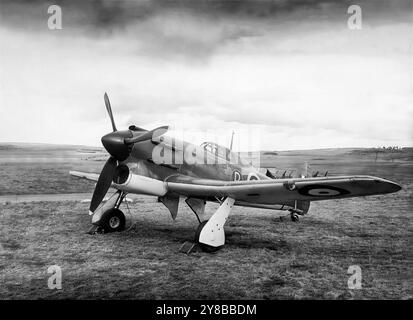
pixel 236 176
pixel 322 191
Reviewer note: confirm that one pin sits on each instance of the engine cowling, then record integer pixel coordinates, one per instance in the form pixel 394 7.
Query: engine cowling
pixel 129 182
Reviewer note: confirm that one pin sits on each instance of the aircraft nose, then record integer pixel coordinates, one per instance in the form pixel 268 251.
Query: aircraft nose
pixel 114 143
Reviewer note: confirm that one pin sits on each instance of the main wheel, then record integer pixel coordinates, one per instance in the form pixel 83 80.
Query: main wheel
pixel 113 220
pixel 203 246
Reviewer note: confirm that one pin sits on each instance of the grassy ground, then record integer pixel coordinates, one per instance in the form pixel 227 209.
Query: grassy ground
pixel 45 177
pixel 39 168
pixel 265 258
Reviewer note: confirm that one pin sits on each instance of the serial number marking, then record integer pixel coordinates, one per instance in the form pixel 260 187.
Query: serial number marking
pixel 235 309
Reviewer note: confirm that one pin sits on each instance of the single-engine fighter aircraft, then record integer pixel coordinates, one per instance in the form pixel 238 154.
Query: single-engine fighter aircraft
pixel 151 163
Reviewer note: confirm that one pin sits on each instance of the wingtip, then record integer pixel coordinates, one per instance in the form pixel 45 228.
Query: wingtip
pixel 391 186
pixel 397 187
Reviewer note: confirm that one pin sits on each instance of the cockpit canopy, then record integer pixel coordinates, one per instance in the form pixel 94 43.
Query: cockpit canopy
pixel 223 152
pixel 216 149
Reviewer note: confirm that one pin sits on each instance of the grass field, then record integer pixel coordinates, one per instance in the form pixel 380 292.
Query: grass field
pixel 265 257
pixel 38 168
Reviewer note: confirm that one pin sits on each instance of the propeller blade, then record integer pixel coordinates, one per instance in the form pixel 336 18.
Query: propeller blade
pixel 109 109
pixel 103 184
pixel 147 135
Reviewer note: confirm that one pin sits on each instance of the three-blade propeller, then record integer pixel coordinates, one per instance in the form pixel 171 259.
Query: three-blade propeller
pixel 119 144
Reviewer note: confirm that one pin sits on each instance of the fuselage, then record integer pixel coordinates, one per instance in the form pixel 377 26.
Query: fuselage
pixel 207 161
pixel 168 158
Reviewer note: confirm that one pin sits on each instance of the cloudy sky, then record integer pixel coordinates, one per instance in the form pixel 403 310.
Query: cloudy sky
pixel 289 74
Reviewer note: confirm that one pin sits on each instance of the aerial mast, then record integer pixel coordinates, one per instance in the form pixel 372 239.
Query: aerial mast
pixel 232 140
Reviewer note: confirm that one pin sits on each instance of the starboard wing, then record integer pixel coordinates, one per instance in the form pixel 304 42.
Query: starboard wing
pixel 274 191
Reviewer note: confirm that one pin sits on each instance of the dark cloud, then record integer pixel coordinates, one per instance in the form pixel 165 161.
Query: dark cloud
pixel 108 15
pixel 191 30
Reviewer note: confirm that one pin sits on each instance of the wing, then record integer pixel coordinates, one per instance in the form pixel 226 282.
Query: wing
pixel 85 175
pixel 273 191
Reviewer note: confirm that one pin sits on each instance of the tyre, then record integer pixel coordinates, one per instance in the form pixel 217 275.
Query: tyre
pixel 295 217
pixel 113 220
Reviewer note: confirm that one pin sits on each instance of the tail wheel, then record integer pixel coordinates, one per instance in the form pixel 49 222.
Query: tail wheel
pixel 295 217
pixel 113 220
pixel 203 246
